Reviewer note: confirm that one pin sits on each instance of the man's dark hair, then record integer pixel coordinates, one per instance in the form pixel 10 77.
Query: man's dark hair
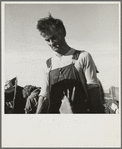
pixel 45 24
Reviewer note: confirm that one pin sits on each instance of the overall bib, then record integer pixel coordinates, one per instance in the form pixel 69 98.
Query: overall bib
pixel 65 81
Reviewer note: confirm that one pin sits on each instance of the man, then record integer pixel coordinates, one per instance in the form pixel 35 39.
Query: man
pixel 70 81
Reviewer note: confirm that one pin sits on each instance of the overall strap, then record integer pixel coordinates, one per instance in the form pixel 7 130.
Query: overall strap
pixel 76 55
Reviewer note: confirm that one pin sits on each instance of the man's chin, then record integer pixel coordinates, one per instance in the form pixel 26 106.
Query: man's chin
pixel 55 49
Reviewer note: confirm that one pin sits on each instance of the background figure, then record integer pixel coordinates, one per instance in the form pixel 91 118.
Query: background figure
pixel 20 100
pixel 14 100
pixel 31 94
pixel 70 76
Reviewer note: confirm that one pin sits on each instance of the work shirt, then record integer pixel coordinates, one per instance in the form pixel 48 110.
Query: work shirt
pixel 84 63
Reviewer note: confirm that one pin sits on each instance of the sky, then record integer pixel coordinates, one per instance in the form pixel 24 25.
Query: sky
pixel 93 27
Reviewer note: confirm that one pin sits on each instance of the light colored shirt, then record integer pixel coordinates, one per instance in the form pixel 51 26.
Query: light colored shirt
pixel 84 62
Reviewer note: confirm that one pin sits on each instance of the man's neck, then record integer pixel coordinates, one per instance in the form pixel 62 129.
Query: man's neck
pixel 64 50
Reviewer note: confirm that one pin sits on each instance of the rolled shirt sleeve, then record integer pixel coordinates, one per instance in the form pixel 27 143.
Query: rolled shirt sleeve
pixel 85 61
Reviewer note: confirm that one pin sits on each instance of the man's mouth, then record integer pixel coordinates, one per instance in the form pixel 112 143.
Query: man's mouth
pixel 55 46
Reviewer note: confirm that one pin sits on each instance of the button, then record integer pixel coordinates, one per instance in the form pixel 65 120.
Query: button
pixel 88 110
pixel 85 100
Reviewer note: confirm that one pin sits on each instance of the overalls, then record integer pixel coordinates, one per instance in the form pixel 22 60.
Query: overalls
pixel 66 80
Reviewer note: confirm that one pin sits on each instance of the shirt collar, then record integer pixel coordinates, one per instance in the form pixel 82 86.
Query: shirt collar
pixel 70 52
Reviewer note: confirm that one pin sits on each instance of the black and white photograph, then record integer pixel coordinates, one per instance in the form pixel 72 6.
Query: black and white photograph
pixel 61 81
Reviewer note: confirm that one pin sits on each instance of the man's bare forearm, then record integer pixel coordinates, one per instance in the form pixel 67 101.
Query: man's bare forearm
pixel 40 105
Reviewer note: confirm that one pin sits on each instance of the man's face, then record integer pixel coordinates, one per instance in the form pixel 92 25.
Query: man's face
pixel 55 39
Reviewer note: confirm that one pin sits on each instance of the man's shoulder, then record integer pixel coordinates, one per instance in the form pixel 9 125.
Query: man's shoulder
pixel 84 54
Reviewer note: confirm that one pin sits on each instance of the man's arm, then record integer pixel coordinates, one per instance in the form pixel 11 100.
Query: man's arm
pixel 40 105
pixel 93 87
pixel 43 105
pixel 95 100
pixel 43 101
